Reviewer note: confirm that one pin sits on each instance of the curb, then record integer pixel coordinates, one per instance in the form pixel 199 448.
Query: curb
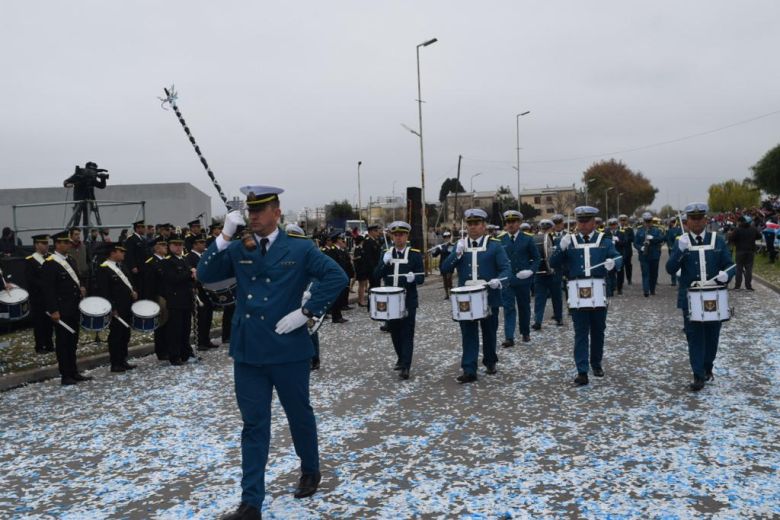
pixel 766 283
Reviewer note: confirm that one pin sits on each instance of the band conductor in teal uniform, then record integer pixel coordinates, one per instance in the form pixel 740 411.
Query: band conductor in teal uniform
pixel 576 253
pixel 270 343
pixel 480 260
pixel 524 259
pixel 402 266
pixel 704 259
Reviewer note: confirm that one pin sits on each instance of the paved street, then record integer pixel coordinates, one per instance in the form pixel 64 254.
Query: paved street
pixel 163 441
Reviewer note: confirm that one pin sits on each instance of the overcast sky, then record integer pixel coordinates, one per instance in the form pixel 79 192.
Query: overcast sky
pixel 294 94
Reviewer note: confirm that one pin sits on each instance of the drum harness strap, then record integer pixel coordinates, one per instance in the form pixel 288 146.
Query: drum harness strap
pixel 112 265
pixel 587 247
pixel 702 255
pixel 397 264
pixel 474 264
pixel 56 257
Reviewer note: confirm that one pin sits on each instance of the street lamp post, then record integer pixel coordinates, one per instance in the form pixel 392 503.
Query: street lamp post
pixel 618 203
pixel 471 182
pixel 587 183
pixel 422 162
pixel 517 124
pixel 360 205
pixel 606 202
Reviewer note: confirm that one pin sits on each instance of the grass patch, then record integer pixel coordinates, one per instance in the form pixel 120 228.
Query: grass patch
pixel 767 271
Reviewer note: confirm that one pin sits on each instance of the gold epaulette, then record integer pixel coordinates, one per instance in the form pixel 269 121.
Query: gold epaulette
pixel 28 257
pixel 501 234
pixel 295 235
pixel 167 257
pixel 495 239
pixel 526 233
pixel 104 264
pixel 413 249
pixel 149 259
pixel 50 259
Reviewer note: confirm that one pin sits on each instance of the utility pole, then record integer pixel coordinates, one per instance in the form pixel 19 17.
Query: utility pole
pixel 457 188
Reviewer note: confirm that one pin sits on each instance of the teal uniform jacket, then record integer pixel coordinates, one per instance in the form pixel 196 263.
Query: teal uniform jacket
pixel 491 263
pixel 671 237
pixel 414 265
pixel 523 254
pixel 653 249
pixel 716 259
pixel 268 288
pixel 572 260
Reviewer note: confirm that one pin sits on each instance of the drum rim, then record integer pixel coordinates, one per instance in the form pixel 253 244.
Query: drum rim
pixel 11 292
pixel 707 289
pixel 94 299
pixel 145 303
pixel 468 289
pixel 386 290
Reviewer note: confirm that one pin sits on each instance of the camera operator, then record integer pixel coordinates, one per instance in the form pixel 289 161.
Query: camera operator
pixel 84 181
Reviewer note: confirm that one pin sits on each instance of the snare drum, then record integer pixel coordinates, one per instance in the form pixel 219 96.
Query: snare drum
pixel 469 303
pixel 222 293
pixel 587 293
pixel 95 313
pixel 387 303
pixel 146 315
pixel 14 304
pixel 708 304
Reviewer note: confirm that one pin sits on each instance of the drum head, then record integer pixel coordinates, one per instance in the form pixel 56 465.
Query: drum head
pixel 222 284
pixel 95 306
pixel 468 289
pixel 145 309
pixel 14 296
pixel 387 290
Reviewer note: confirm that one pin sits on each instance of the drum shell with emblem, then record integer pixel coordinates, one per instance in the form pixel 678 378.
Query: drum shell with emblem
pixel 95 313
pixel 469 303
pixel 222 293
pixel 146 315
pixel 14 304
pixel 587 293
pixel 708 304
pixel 387 303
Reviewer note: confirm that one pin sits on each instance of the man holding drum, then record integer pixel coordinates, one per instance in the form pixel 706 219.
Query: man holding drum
pixel 481 261
pixel 647 241
pixel 587 256
pixel 62 291
pixel 270 343
pixel 524 258
pixel 114 284
pixel 151 289
pixel 402 266
pixel 703 260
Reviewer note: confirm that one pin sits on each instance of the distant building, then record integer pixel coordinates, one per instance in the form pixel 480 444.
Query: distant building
pixel 551 200
pixel 476 199
pixel 177 203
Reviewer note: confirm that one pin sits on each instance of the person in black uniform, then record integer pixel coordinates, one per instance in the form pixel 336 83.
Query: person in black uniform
pixel 179 297
pixel 372 252
pixel 195 232
pixel 33 265
pixel 137 253
pixel 338 253
pixel 362 271
pixel 151 289
pixel 62 292
pixel 625 248
pixel 113 284
pixel 204 311
pixel 444 249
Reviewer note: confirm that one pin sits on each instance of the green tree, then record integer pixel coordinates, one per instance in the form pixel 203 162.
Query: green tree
pixel 732 194
pixel 450 185
pixel 529 212
pixel 340 210
pixel 766 172
pixel 667 211
pixel 634 188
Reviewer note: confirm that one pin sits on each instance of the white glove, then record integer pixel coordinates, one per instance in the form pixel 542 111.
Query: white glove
pixel 409 277
pixel 615 239
pixel 495 283
pixel 460 248
pixel 306 297
pixel 609 264
pixel 292 321
pixel 565 241
pixel 684 242
pixel 524 273
pixel 722 277
pixel 642 249
pixel 678 273
pixel 388 256
pixel 649 237
pixel 232 221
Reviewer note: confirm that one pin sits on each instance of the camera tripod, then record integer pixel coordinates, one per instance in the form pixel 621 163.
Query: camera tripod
pixel 81 212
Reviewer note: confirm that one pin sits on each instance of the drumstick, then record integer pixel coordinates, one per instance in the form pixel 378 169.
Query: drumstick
pixel 123 322
pixel 714 277
pixel 63 324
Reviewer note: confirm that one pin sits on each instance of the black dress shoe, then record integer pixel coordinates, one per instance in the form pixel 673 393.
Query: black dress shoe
pixel 176 362
pixel 162 357
pixel 244 512
pixel 404 374
pixel 347 308
pixel 526 339
pixel 384 328
pixel 537 326
pixel 307 486
pixel 598 372
pixel 40 350
pixel 315 363
pixel 398 366
pixel 559 323
pixel 491 368
pixel 118 368
pixel 68 381
pixel 466 378
pixel 340 320
pixel 581 379
pixel 698 384
pixel 128 366
pixel 508 343
pixel 708 375
pixel 82 377
pixel 647 294
pixel 652 293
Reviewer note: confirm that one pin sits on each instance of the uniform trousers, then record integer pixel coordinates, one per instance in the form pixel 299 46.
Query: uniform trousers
pixel 65 344
pixel 627 270
pixel 42 325
pixel 204 315
pixel 315 339
pixel 118 339
pixel 649 273
pixel 178 331
pixel 589 327
pixel 744 261
pixel 254 392
pixel 402 334
pixel 469 331
pixel 703 337
pixel 547 286
pixel 521 296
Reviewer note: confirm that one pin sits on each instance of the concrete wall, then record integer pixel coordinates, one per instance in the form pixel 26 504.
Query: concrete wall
pixel 177 203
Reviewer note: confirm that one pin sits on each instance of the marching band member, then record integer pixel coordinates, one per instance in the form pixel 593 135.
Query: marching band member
pixel 625 248
pixel 672 232
pixel 647 241
pixel 178 278
pixel 702 257
pixel 444 249
pixel 479 260
pixel 547 282
pixel 114 284
pixel 524 258
pixel 577 253
pixel 402 266
pixel 42 325
pixel 204 309
pixel 152 289
pixel 619 240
